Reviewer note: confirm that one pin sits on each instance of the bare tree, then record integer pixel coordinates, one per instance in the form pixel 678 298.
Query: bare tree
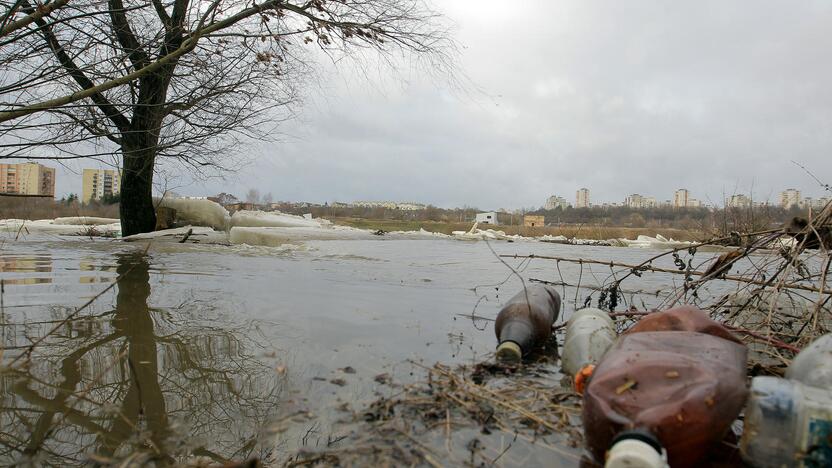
pixel 226 198
pixel 268 198
pixel 147 81
pixel 253 196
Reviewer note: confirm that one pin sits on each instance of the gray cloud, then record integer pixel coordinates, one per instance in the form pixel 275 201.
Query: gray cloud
pixel 620 97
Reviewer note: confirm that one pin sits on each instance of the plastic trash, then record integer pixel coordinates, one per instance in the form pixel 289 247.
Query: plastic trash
pixel 589 333
pixel 525 322
pixel 813 365
pixel 636 449
pixel 683 384
pixel 788 422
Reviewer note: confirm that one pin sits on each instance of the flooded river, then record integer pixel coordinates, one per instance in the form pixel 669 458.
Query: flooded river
pixel 216 353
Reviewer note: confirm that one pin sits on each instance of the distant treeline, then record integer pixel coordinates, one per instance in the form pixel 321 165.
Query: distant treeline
pixel 718 221
pixel 431 213
pixel 33 208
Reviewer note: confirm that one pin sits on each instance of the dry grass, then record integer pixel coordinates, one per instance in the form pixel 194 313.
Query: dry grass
pixel 40 208
pixel 464 416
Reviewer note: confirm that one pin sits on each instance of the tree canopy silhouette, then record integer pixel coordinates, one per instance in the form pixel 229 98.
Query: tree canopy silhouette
pixel 181 80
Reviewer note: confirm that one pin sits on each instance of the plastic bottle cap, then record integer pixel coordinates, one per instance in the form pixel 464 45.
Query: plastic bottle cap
pixel 509 351
pixel 582 378
pixel 634 453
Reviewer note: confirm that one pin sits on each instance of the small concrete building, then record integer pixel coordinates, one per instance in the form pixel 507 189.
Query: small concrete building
pixel 534 221
pixel 487 218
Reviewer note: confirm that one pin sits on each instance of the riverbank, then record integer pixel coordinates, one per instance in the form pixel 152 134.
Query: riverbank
pixel 581 232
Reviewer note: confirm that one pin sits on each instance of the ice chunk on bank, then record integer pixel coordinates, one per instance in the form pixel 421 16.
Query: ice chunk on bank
pixel 84 221
pixel 657 242
pixel 245 218
pixel 483 234
pixel 277 236
pixel 554 239
pixel 420 234
pixel 197 212
pixel 11 227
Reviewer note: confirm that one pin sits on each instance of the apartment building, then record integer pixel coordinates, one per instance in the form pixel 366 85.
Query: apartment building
pixel 789 198
pixel 27 179
pixel 582 198
pixel 681 198
pixel 98 183
pixel 739 201
pixel 555 202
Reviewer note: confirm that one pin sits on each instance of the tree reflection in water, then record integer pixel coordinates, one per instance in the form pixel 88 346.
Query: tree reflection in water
pixel 136 384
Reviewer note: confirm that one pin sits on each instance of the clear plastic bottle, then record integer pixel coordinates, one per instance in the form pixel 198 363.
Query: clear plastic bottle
pixel 589 333
pixel 788 422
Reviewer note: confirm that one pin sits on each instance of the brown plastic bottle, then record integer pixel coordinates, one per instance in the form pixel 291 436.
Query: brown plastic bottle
pixel 526 321
pixel 677 375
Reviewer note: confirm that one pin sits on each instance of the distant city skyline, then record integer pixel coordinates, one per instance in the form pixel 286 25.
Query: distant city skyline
pixel 87 182
pixel 683 198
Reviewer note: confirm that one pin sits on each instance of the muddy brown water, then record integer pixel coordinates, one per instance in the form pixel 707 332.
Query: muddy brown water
pixel 222 353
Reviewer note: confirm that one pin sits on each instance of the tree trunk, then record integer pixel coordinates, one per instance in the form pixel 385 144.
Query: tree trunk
pixel 139 147
pixel 136 209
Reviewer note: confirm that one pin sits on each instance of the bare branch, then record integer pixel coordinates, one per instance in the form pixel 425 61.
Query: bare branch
pixel 33 15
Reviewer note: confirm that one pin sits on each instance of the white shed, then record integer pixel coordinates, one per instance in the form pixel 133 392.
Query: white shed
pixel 487 218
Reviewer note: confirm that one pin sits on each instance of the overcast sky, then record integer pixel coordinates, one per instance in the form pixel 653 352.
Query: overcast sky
pixel 619 97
